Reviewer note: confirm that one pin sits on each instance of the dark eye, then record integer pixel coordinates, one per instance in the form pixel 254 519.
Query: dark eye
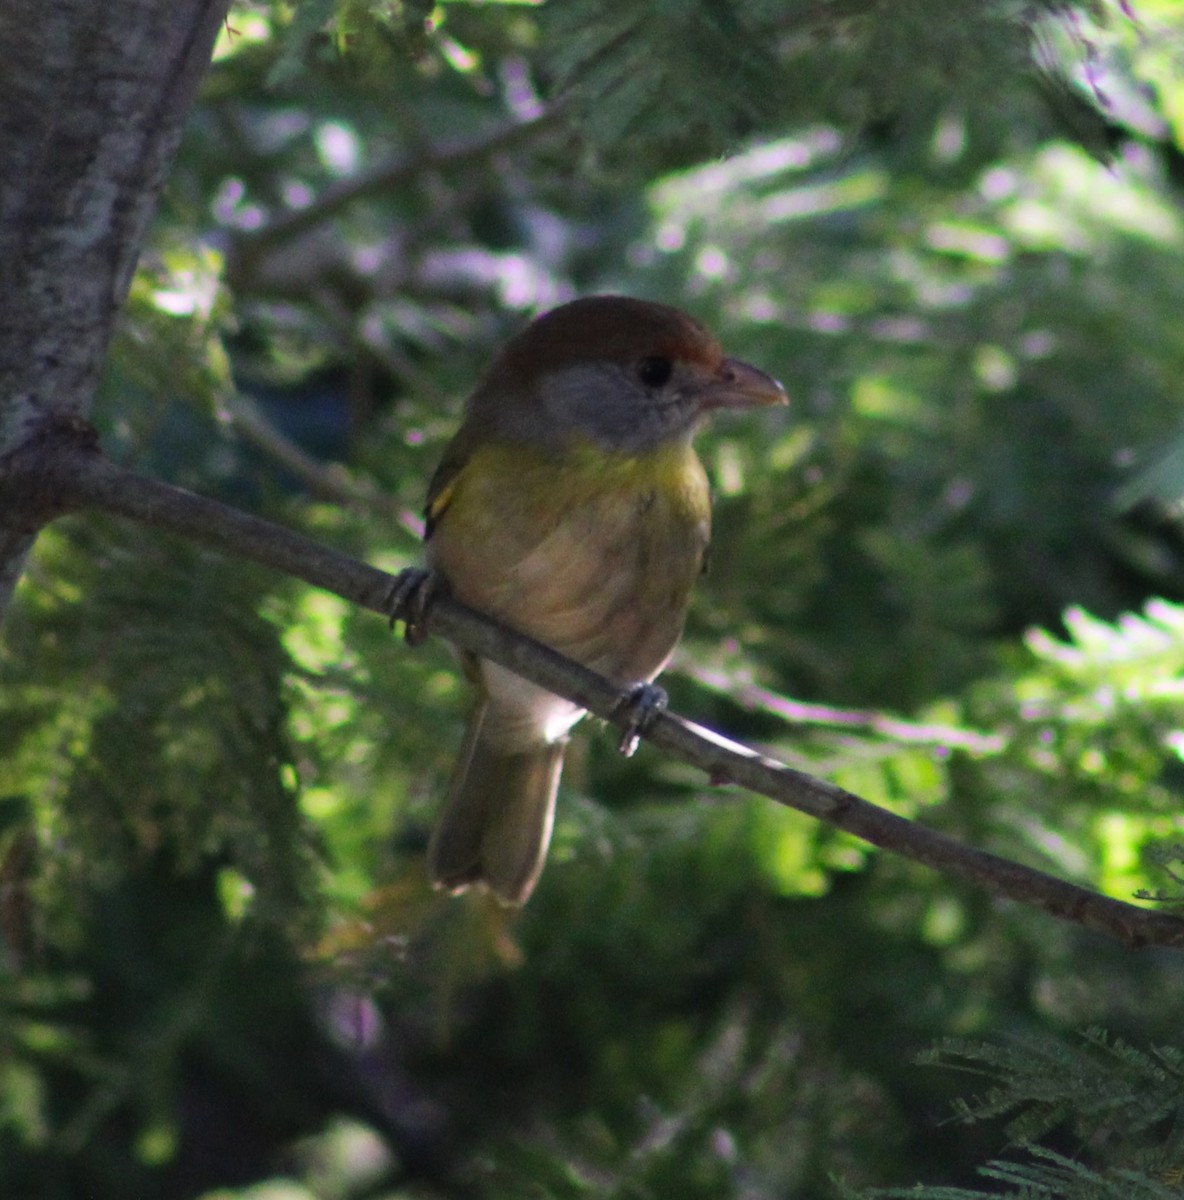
pixel 655 372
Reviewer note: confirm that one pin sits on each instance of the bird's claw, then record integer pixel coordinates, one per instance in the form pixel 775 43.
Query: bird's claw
pixel 409 599
pixel 641 706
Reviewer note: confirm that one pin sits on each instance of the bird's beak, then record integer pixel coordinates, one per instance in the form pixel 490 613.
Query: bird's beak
pixel 735 384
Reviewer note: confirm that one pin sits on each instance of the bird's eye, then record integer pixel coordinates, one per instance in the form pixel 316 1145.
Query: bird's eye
pixel 655 372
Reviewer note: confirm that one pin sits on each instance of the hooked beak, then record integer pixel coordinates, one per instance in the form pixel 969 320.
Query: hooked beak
pixel 738 385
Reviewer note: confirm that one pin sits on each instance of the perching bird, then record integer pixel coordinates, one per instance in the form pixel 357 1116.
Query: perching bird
pixel 571 506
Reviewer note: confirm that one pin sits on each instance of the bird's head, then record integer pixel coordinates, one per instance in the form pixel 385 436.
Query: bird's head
pixel 626 374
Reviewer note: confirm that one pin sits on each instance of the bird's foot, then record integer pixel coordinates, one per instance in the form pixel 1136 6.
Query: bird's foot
pixel 409 600
pixel 640 707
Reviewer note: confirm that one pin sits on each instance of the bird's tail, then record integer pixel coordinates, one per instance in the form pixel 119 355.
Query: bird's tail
pixel 496 822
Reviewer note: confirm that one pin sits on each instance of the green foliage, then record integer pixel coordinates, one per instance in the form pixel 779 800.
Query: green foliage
pixel 222 972
pixel 1123 1105
pixel 1051 1177
pixel 967 424
pixel 1104 1089
pixel 685 81
pixel 1094 741
pixel 151 719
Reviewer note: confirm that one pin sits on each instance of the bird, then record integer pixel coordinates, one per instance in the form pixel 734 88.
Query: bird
pixel 571 506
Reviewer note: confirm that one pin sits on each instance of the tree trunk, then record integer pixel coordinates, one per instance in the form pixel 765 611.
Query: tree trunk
pixel 93 96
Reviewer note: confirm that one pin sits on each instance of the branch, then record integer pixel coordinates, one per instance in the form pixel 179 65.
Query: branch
pixel 388 176
pixel 751 696
pixel 329 481
pixel 74 476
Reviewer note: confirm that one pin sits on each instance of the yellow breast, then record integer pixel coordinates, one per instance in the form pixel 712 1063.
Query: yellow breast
pixel 594 554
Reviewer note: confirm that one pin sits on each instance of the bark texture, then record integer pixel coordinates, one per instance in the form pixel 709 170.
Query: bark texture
pixel 93 97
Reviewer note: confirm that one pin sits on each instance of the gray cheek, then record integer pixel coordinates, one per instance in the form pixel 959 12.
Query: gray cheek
pixel 591 399
pixel 605 404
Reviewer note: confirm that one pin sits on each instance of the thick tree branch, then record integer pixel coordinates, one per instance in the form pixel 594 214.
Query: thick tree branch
pixel 71 475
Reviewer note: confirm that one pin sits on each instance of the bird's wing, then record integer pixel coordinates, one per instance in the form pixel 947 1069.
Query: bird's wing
pixel 443 484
